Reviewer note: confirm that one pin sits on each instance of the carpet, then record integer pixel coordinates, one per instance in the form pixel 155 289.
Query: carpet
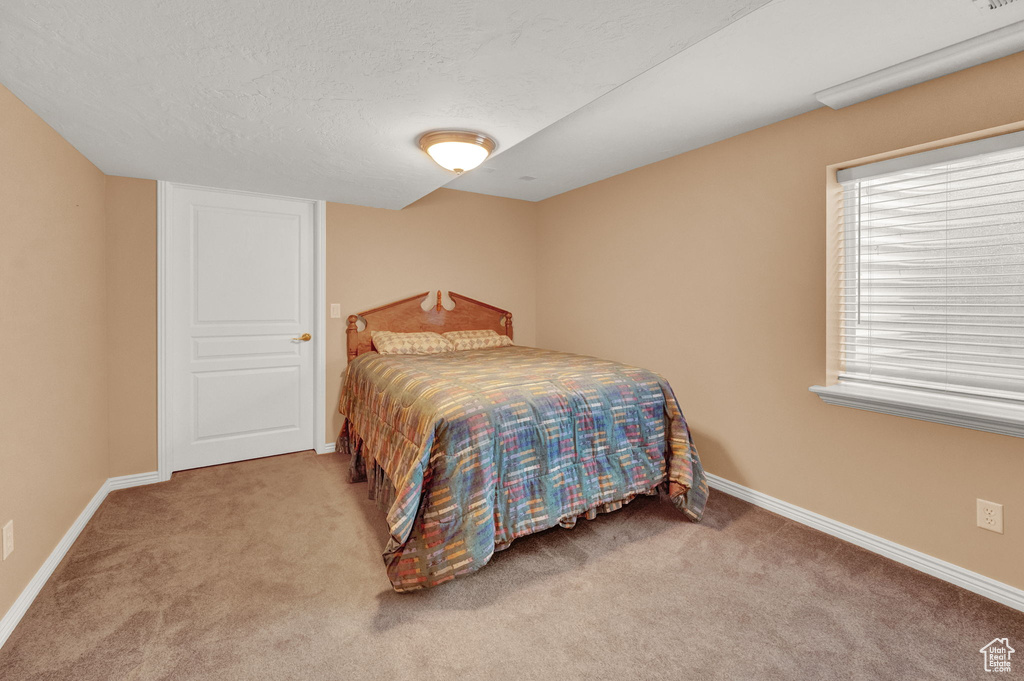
pixel 271 569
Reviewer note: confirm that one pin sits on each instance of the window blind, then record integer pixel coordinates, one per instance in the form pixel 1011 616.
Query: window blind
pixel 932 270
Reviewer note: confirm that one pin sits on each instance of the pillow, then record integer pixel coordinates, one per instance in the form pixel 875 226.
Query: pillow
pixel 477 340
pixel 420 343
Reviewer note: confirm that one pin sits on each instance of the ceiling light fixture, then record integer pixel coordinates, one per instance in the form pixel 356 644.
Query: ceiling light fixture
pixel 457 150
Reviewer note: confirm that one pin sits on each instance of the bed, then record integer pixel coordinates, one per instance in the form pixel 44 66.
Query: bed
pixel 467 451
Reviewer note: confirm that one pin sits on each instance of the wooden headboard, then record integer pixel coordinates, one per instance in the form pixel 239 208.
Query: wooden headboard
pixel 408 315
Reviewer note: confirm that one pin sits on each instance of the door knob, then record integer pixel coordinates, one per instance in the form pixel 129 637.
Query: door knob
pixel 303 337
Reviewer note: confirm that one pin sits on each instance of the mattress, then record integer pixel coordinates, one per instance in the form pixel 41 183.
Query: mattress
pixel 480 447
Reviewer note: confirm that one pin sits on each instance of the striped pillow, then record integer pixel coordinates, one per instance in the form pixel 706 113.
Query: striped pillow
pixel 419 343
pixel 477 340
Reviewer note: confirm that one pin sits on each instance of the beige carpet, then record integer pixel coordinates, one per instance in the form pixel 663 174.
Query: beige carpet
pixel 271 569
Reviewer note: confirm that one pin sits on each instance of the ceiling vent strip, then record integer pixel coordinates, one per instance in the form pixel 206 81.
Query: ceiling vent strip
pixel 992 4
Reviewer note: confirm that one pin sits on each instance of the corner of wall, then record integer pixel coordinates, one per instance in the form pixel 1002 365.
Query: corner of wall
pixel 131 324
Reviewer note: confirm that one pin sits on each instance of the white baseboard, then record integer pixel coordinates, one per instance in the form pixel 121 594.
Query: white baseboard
pixel 28 594
pixel 326 448
pixel 954 574
pixel 125 481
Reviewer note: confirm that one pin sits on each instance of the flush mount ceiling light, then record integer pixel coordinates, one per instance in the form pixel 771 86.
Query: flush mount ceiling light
pixel 457 150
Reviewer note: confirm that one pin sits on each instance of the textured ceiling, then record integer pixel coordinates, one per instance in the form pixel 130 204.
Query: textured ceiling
pixel 321 98
pixel 325 99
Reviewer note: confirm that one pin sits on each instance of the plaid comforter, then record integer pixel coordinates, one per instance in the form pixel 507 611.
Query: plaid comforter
pixel 484 446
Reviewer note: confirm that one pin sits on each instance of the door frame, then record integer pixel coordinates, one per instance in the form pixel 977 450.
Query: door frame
pixel 165 447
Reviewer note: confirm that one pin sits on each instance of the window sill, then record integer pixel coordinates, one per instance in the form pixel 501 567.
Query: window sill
pixel 977 413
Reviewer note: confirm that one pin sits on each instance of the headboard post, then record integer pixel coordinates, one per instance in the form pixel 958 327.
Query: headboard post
pixel 508 326
pixel 351 333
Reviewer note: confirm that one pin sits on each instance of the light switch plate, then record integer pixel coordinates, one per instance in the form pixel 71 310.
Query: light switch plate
pixel 335 310
pixel 8 539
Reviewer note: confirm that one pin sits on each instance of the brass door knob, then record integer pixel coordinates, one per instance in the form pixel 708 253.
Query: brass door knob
pixel 304 337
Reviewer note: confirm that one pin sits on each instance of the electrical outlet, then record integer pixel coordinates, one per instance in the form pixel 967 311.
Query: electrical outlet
pixel 335 310
pixel 8 539
pixel 990 516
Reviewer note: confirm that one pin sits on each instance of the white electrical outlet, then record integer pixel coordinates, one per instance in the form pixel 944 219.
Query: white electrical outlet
pixel 8 539
pixel 990 516
pixel 335 310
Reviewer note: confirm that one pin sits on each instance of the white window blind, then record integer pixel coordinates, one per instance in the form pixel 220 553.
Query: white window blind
pixel 932 270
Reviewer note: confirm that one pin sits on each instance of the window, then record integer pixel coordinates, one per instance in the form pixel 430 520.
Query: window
pixel 931 286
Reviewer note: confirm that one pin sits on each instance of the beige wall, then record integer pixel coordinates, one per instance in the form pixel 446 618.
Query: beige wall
pixel 710 268
pixel 481 246
pixel 131 324
pixel 53 401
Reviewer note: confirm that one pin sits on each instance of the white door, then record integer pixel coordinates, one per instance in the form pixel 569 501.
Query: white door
pixel 240 297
